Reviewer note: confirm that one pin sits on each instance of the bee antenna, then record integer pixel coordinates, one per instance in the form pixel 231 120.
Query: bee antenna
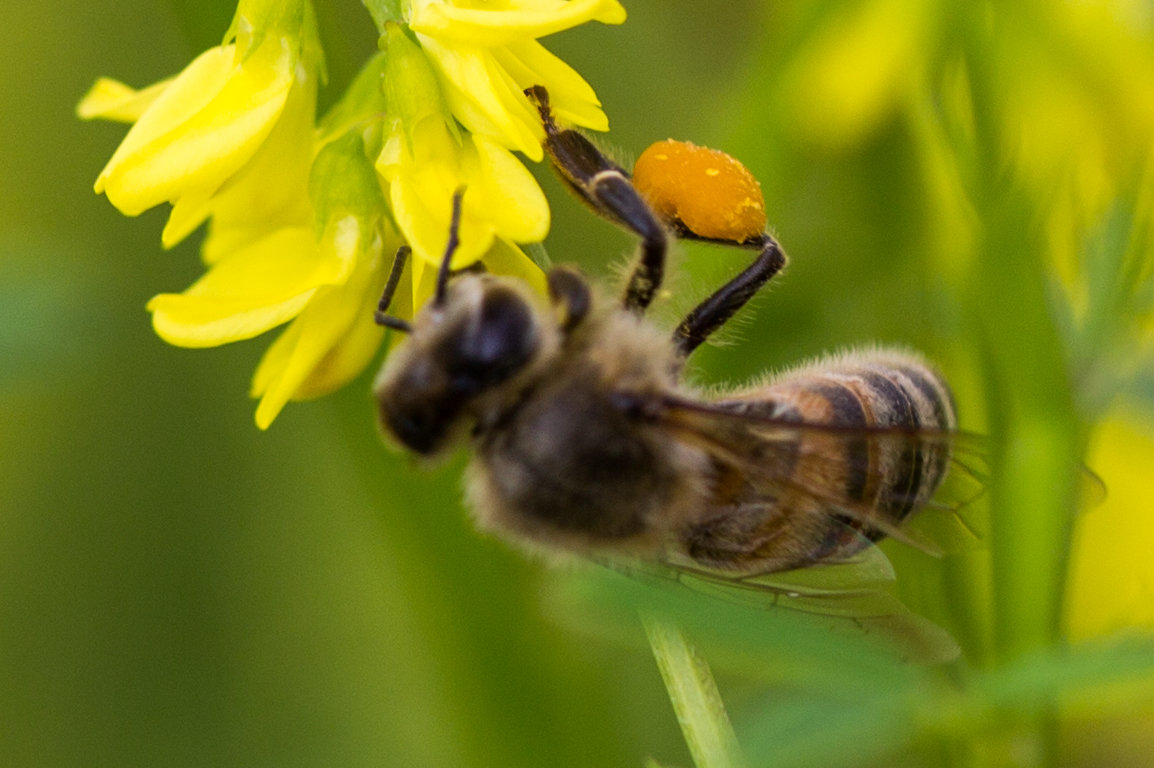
pixel 454 240
pixel 383 319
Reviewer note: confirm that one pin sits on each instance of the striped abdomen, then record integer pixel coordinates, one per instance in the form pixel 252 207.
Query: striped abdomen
pixel 877 450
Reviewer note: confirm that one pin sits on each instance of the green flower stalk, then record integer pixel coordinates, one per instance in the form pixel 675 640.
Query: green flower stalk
pixel 302 217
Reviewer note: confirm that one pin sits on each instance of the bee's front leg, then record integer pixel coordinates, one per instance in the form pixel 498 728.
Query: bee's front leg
pixel 570 294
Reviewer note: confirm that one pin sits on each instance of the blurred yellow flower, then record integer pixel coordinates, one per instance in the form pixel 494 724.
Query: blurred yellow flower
pixel 1062 93
pixel 1050 107
pixel 861 63
pixel 1111 585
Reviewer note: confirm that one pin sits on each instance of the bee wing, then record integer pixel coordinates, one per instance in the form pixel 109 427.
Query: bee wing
pixel 761 449
pixel 852 582
pixel 868 607
pixel 857 586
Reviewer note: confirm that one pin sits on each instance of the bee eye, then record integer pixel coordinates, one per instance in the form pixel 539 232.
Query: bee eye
pixel 418 407
pixel 421 429
pixel 500 340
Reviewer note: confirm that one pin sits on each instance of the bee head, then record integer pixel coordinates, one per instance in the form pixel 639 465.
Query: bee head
pixel 481 333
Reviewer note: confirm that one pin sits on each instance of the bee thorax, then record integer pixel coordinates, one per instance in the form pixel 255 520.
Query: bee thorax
pixel 572 466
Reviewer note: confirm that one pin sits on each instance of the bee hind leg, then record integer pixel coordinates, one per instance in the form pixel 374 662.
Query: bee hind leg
pixel 724 303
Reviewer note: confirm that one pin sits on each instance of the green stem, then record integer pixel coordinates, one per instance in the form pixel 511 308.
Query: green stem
pixel 384 12
pixel 694 695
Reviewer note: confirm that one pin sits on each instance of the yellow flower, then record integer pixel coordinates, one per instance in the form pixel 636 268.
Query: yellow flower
pixel 299 230
pixel 486 57
pixel 334 336
pixel 501 196
pixel 426 159
pixel 325 277
pixel 269 192
pixel 195 132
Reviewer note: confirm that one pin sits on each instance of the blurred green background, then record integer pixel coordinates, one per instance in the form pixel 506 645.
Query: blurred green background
pixel 178 588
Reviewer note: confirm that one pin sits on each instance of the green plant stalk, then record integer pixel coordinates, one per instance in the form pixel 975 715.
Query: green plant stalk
pixel 1036 434
pixel 693 693
pixel 1036 442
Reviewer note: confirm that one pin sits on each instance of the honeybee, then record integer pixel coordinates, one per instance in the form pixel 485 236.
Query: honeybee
pixel 585 438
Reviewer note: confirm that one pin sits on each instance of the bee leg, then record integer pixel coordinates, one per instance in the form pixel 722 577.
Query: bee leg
pixel 381 315
pixel 730 540
pixel 570 293
pixel 606 187
pixel 718 308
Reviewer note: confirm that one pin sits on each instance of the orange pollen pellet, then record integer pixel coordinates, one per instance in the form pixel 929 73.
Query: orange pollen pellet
pixel 705 190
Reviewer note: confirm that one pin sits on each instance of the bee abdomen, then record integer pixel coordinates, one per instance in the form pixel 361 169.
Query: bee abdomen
pixel 889 452
pixel 886 453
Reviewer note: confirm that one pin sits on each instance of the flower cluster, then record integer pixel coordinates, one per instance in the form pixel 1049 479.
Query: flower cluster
pixel 303 216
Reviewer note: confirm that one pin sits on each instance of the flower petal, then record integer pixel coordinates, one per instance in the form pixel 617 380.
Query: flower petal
pixel 352 352
pixel 245 295
pixel 110 99
pixel 192 321
pixel 423 283
pixel 423 209
pixel 271 189
pixel 329 343
pixel 505 192
pixel 200 143
pixel 188 212
pixel 188 93
pixel 473 26
pixel 571 98
pixel 423 176
pixel 505 258
pixel 484 97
